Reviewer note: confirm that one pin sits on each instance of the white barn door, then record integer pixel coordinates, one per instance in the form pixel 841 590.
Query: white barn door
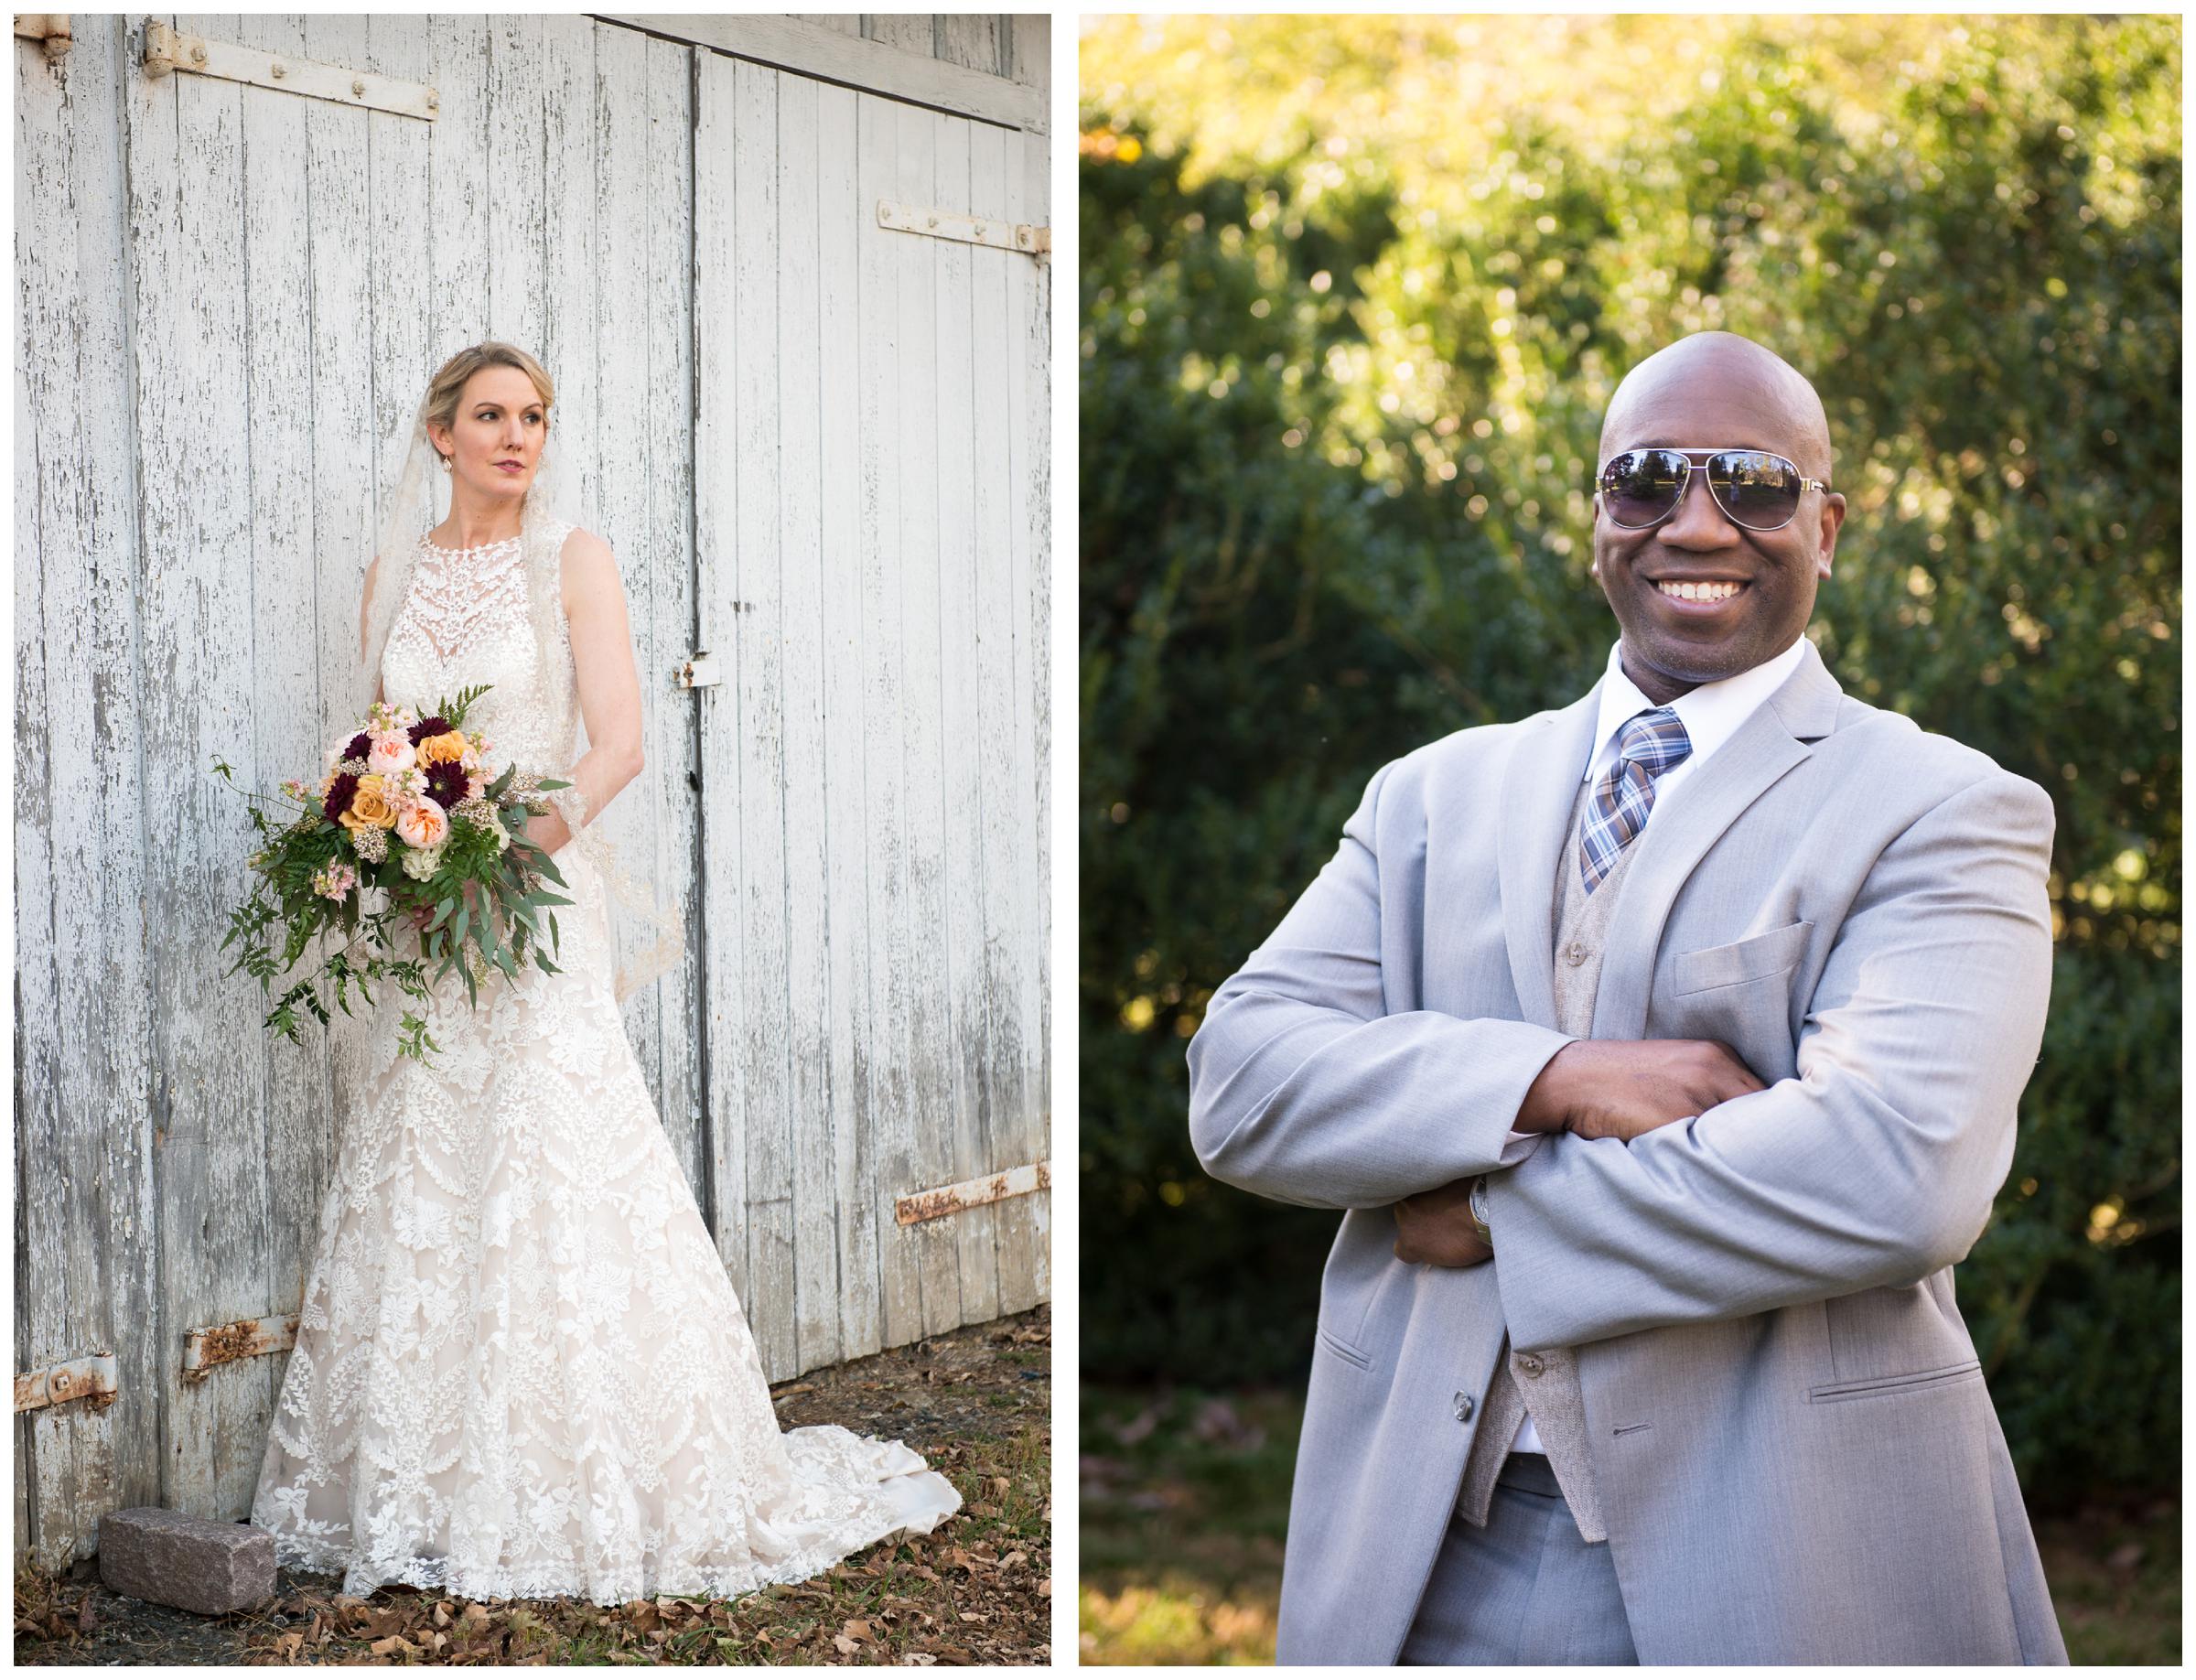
pixel 868 485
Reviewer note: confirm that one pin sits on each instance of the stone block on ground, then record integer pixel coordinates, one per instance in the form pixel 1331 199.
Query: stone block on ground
pixel 191 1563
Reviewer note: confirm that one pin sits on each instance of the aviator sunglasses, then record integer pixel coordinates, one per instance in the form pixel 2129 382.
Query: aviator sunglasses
pixel 1755 490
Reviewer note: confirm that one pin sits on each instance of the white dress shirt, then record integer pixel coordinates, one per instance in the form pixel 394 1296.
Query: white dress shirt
pixel 1712 713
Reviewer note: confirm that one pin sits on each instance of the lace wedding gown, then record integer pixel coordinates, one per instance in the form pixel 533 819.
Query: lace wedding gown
pixel 521 1370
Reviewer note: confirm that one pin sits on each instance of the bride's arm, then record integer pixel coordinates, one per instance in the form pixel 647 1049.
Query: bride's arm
pixel 610 688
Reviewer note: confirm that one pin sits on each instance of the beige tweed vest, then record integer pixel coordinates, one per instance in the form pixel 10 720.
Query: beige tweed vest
pixel 1546 1381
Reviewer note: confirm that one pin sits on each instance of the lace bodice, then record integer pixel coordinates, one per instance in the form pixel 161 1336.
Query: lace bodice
pixel 464 623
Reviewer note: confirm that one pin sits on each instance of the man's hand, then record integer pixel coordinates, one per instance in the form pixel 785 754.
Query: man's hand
pixel 1435 1228
pixel 1622 1088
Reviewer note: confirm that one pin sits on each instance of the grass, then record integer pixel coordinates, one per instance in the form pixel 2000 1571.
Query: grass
pixel 1185 1511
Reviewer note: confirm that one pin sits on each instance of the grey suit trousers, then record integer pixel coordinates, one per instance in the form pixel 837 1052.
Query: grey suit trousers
pixel 1526 1588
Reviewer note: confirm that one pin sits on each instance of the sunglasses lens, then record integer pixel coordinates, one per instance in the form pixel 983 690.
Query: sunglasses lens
pixel 1640 486
pixel 1758 490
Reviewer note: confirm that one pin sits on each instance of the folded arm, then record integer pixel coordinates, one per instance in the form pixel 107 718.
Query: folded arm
pixel 1304 1089
pixel 1876 1166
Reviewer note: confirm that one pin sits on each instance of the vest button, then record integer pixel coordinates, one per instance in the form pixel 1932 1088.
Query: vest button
pixel 1573 954
pixel 1530 1364
pixel 1464 1408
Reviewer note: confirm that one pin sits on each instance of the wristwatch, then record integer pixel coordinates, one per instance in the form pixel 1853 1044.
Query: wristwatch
pixel 1478 1202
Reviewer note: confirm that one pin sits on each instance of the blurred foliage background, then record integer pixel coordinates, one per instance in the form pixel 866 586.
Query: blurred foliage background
pixel 1354 293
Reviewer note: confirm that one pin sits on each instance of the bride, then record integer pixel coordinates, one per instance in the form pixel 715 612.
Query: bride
pixel 521 1370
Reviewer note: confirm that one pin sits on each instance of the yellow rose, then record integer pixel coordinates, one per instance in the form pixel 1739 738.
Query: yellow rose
pixel 442 748
pixel 370 806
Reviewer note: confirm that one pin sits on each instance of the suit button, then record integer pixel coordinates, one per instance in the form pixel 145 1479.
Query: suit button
pixel 1530 1364
pixel 1464 1408
pixel 1573 954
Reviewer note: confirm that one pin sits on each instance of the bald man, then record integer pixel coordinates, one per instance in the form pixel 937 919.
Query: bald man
pixel 1664 1052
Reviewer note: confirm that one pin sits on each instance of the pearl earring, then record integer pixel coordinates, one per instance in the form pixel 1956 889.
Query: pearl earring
pixel 444 459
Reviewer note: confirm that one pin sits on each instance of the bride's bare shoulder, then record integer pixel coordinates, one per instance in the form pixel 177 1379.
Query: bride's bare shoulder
pixel 587 568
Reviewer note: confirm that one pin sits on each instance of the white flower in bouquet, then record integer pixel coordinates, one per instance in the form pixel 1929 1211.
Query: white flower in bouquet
pixel 421 861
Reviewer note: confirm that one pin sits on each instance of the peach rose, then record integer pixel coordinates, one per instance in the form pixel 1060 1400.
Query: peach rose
pixel 422 824
pixel 442 749
pixel 388 754
pixel 370 806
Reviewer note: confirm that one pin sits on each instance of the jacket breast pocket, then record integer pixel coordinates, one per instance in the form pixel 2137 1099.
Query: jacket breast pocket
pixel 1762 957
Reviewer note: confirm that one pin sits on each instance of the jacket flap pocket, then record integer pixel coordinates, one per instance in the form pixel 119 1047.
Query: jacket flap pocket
pixel 1749 959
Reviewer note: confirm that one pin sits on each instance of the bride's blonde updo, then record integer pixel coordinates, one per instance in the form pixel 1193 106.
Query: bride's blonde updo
pixel 448 384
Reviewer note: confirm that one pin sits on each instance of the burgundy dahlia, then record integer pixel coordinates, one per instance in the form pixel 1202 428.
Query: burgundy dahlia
pixel 426 728
pixel 338 797
pixel 361 744
pixel 447 783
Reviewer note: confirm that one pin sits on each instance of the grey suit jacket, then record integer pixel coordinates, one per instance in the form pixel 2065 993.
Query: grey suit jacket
pixel 1796 1457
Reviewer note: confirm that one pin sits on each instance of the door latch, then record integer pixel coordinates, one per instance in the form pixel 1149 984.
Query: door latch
pixel 699 672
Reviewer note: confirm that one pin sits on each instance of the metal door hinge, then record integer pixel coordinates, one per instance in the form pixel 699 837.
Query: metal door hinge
pixel 166 50
pixel 700 672
pixel 1021 236
pixel 91 1378
pixel 51 28
pixel 919 1205
pixel 217 1344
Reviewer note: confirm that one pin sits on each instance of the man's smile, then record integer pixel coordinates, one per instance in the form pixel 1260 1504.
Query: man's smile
pixel 1699 596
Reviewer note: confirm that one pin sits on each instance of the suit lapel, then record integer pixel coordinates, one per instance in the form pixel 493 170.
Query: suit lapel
pixel 1767 746
pixel 1540 786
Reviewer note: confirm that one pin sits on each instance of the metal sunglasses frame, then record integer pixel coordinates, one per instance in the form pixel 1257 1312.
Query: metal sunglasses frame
pixel 1686 483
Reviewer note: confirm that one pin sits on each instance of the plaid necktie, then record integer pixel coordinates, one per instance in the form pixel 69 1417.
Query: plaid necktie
pixel 1646 747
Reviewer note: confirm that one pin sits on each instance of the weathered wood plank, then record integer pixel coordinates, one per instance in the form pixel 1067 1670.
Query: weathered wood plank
pixel 198 701
pixel 608 285
pixel 617 280
pixel 963 833
pixel 971 39
pixel 84 1225
pixel 666 433
pixel 890 955
pixel 1031 53
pixel 910 32
pixel 296 1106
pixel 1029 479
pixel 348 394
pixel 760 561
pixel 517 191
pixel 718 209
pixel 456 231
pixel 838 329
pixel 930 1017
pixel 803 795
pixel 1007 927
pixel 839 23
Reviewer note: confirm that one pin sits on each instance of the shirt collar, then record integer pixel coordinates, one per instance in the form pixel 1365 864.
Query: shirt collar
pixel 1712 713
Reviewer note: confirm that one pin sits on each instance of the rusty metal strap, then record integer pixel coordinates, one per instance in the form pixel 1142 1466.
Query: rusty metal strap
pixel 919 1205
pixel 92 1377
pixel 218 1345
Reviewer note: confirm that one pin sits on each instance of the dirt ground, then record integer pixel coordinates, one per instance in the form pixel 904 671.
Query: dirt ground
pixel 977 1403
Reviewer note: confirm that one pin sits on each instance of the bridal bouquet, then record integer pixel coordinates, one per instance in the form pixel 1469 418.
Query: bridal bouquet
pixel 411 808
